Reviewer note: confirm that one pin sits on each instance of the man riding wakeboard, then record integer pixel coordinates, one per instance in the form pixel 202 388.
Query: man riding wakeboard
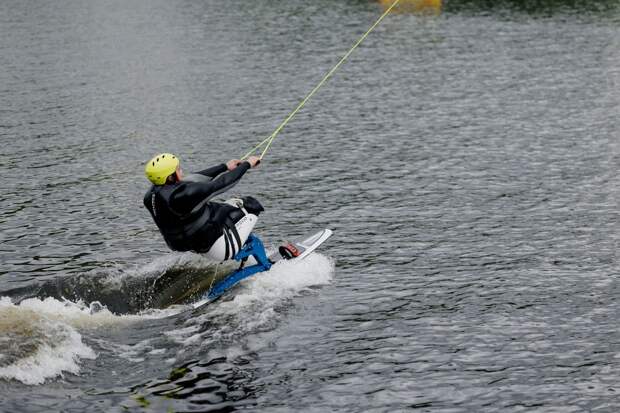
pixel 188 220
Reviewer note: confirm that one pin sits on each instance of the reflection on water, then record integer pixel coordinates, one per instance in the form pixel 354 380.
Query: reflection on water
pixel 414 6
pixel 215 384
pixel 534 7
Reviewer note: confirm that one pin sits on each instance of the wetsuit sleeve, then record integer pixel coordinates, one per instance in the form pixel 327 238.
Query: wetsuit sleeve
pixel 226 181
pixel 191 194
pixel 213 171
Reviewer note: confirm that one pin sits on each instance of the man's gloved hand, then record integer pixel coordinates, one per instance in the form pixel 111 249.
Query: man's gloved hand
pixel 232 164
pixel 254 161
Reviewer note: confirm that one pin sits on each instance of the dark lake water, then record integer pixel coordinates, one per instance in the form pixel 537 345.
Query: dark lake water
pixel 467 162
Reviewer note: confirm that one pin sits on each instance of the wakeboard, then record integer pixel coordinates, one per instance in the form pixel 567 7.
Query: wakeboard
pixel 295 251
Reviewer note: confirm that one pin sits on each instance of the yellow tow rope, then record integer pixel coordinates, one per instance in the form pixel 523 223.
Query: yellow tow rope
pixel 269 140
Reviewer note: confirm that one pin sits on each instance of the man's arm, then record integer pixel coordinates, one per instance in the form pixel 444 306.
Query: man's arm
pixel 229 179
pixel 214 170
pixel 191 194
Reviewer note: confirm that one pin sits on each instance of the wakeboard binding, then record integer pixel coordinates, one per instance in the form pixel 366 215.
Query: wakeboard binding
pixel 289 251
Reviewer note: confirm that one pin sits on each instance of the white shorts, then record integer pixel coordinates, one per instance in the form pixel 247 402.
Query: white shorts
pixel 244 226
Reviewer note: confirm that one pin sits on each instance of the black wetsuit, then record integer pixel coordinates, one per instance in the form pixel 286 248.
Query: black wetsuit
pixel 184 215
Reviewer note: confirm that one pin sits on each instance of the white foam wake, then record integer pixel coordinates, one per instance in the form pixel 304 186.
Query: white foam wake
pixel 39 339
pixel 35 347
pixel 254 302
pixel 283 280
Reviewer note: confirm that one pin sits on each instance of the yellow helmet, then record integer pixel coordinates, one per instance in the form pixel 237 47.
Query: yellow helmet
pixel 161 167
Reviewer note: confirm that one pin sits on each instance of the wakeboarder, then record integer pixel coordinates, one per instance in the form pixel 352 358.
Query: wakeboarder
pixel 185 214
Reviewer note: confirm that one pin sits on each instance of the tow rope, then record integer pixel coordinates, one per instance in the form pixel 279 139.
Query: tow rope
pixel 269 140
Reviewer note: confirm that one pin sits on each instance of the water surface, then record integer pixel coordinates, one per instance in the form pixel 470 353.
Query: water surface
pixel 467 163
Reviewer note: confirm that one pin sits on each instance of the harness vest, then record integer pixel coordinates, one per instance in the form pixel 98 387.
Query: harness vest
pixel 194 231
pixel 180 231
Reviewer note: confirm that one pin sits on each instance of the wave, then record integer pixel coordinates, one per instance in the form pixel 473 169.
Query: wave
pixel 40 338
pixel 169 280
